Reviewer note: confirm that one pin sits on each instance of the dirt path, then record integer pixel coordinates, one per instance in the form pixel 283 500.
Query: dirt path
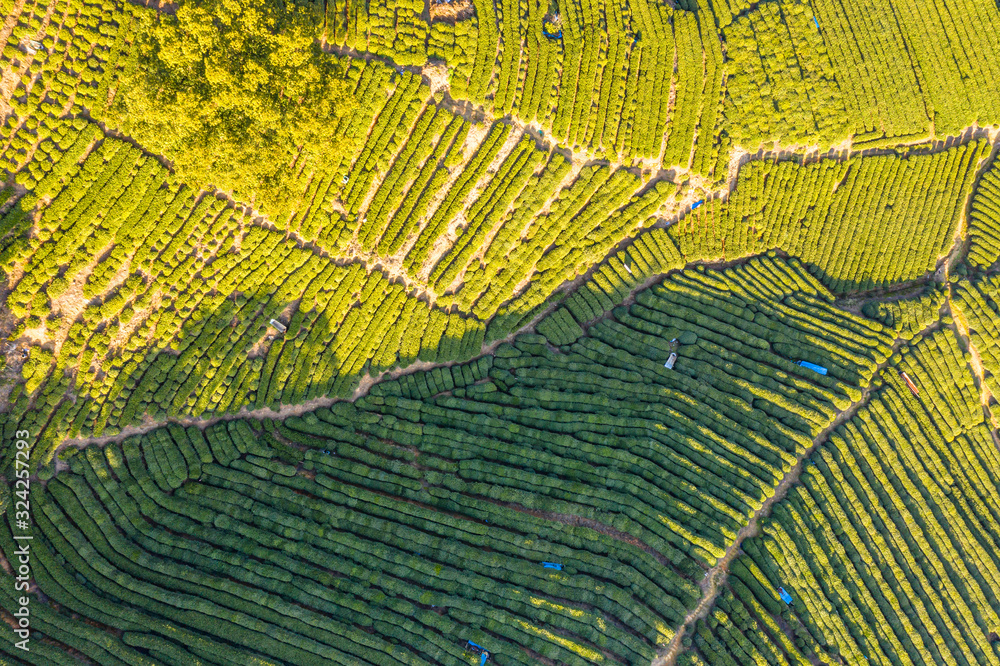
pixel 975 360
pixel 975 366
pixel 959 250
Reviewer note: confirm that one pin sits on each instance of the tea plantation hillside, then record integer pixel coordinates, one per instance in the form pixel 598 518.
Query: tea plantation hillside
pixel 457 485
pixel 886 551
pixel 655 332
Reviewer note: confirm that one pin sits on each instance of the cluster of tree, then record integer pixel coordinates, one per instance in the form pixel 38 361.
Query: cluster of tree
pixel 392 152
pixel 233 95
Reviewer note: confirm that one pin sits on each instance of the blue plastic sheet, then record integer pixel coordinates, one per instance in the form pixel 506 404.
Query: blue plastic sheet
pixel 812 366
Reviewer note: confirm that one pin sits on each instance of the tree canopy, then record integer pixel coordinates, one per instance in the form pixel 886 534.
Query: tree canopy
pixel 233 93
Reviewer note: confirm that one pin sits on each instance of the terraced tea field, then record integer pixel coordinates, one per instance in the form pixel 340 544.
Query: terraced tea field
pixel 472 332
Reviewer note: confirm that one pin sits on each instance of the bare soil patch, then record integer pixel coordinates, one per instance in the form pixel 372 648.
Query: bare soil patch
pixel 457 10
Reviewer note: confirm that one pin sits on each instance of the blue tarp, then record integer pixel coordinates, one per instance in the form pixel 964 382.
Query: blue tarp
pixel 552 565
pixel 551 35
pixel 787 598
pixel 484 653
pixel 696 204
pixel 812 366
pixel 816 21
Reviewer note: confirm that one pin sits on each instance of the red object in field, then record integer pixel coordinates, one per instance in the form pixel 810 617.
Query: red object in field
pixel 909 383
